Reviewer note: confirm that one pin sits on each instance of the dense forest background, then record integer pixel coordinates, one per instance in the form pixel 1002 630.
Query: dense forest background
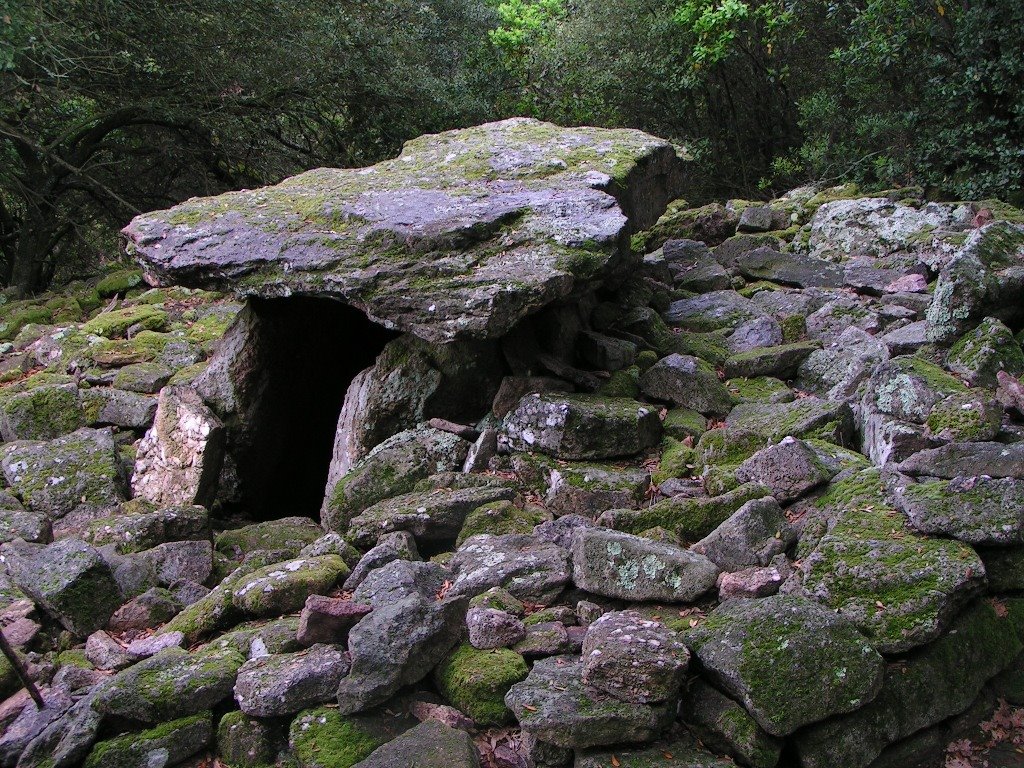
pixel 113 107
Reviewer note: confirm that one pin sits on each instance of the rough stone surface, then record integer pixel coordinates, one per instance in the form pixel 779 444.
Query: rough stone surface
pixel 581 427
pixel 789 661
pixel 391 468
pixel 350 233
pixel 69 580
pixel 406 635
pixel 724 726
pixel 328 619
pixel 180 458
pixel 634 659
pixel 75 473
pixel 171 684
pixel 282 684
pixel 977 510
pixel 751 536
pixel 789 469
pixel 621 565
pixel 555 706
pixel 529 569
pixel 940 681
pixel 431 516
pixel 687 382
pixel 434 744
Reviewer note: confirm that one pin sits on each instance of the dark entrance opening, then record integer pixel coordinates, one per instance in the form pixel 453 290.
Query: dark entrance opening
pixel 304 353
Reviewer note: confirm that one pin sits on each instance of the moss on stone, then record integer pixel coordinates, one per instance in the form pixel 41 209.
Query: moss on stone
pixel 759 389
pixel 114 324
pixel 476 682
pixel 751 289
pixel 322 738
pixel 681 423
pixel 622 383
pixel 73 658
pixel 498 518
pixel 677 460
pixel 646 358
pixel 690 519
pixel 130 750
pixel 119 282
pixel 964 418
pixel 712 347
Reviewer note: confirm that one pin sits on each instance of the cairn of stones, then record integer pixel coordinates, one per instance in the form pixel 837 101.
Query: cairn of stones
pixel 498 454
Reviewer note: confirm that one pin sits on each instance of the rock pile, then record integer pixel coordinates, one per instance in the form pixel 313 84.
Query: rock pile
pixel 739 484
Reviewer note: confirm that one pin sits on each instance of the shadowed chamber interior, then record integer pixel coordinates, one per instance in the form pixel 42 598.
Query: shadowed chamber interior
pixel 308 350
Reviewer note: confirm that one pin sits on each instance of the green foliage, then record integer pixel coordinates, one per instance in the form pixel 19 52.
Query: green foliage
pixel 112 107
pixel 937 98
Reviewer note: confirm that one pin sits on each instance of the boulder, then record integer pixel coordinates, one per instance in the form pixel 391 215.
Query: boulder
pixel 411 628
pixel 580 426
pixel 321 738
pixel 589 489
pixel 245 742
pixel 283 587
pixel 285 683
pixel 789 469
pixel 977 510
pixel 693 268
pixel 839 371
pixel 687 382
pixel 712 311
pixel 391 469
pixel 105 406
pixel 529 568
pixel 751 536
pixel 939 681
pixel 166 745
pixel 808 417
pixel 797 269
pixel 754 334
pixel 288 536
pixel 43 407
pixel 328 619
pixel 174 683
pixel 493 628
pixel 179 459
pixel 431 516
pixel 877 226
pixel 678 752
pixel 132 531
pixel 996 460
pixel 616 564
pixel 634 659
pixel 723 725
pixel 789 661
pixel 574 193
pixel 476 681
pixel 434 744
pixel 76 473
pixel 981 353
pixel 983 279
pixel 554 705
pixel 899 588
pixel 399 545
pixel 781 361
pixel 69 580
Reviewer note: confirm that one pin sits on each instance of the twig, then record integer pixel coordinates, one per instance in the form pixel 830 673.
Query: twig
pixel 20 671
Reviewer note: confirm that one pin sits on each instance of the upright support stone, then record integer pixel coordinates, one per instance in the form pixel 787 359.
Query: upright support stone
pixel 180 457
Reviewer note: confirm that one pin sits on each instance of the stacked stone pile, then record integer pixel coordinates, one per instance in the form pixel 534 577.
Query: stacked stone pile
pixel 633 483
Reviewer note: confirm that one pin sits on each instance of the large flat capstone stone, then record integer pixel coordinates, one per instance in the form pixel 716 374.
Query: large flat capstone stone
pixel 461 236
